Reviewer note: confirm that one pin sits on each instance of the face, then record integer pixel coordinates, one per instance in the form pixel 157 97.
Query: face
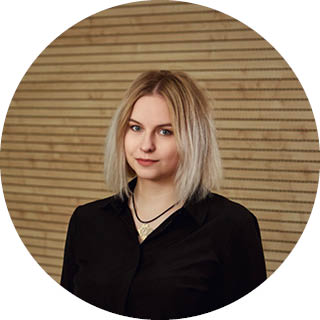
pixel 149 143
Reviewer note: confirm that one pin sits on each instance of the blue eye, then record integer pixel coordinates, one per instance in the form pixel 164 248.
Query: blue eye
pixel 135 128
pixel 165 132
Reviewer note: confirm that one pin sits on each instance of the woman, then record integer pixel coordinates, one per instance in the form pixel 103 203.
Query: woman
pixel 163 246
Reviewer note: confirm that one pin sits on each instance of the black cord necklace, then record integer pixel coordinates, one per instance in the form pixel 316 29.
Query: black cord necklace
pixel 148 221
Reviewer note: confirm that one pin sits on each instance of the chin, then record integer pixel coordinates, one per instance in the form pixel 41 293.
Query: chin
pixel 148 176
pixel 154 177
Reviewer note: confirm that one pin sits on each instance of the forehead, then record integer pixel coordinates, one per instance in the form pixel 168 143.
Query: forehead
pixel 151 108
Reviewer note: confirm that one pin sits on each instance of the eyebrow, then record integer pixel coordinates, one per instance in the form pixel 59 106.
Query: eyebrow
pixel 159 125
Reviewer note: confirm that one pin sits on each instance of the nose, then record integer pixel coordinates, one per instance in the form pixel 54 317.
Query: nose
pixel 147 143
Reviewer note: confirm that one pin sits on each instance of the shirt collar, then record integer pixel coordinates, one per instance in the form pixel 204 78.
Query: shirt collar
pixel 196 209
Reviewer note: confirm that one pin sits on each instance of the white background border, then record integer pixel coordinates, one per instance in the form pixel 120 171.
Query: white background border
pixel 27 27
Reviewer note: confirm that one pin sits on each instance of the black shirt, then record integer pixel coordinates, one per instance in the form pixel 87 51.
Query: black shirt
pixel 204 256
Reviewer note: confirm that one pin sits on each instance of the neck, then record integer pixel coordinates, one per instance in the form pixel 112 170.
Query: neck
pixel 148 191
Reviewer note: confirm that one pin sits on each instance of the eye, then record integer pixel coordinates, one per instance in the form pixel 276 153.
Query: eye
pixel 135 128
pixel 165 132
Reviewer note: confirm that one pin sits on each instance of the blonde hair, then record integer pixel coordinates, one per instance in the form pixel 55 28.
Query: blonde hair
pixel 199 169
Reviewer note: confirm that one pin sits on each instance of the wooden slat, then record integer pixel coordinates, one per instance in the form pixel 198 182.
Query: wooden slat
pixel 34 233
pixel 279 84
pixel 262 164
pixel 45 260
pixel 54 148
pixel 185 17
pixel 54 272
pixel 138 4
pixel 27 214
pixel 215 94
pixel 258 95
pixel 54 139
pixel 57 191
pixel 265 105
pixel 271 204
pixel 274 245
pixel 227 104
pixel 158 47
pixel 66 104
pixel 10 161
pixel 270 255
pixel 64 157
pixel 46 252
pixel 172 8
pixel 47 113
pixel 288 217
pixel 191 55
pixel 259 206
pixel 268 145
pixel 54 174
pixel 56 131
pixel 256 124
pixel 39 225
pixel 300 179
pixel 54 277
pixel 276 84
pixel 267 194
pixel 140 28
pixel 52 183
pixel 49 199
pixel 59 212
pixel 160 38
pixel 280 235
pixel 297 135
pixel 275 186
pixel 60 121
pixel 270 155
pixel 215 65
pixel 273 265
pixel 42 242
pixel 124 75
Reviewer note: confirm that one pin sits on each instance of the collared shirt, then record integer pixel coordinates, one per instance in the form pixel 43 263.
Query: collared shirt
pixel 204 256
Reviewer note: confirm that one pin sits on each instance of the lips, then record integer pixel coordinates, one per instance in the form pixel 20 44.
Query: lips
pixel 146 162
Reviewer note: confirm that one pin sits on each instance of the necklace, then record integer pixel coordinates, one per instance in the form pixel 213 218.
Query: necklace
pixel 145 229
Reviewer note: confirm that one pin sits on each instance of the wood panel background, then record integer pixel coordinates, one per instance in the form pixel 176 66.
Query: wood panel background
pixel 52 143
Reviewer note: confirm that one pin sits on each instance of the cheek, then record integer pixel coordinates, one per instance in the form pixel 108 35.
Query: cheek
pixel 173 155
pixel 176 159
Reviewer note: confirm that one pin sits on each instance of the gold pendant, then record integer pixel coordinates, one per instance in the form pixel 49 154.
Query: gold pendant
pixel 144 231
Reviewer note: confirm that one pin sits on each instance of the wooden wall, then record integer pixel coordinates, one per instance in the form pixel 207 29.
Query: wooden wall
pixel 52 144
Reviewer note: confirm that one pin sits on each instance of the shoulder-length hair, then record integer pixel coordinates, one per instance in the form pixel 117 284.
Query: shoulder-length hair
pixel 199 168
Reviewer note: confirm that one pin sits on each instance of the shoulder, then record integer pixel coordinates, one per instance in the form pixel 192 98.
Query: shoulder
pixel 231 217
pixel 97 207
pixel 224 208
